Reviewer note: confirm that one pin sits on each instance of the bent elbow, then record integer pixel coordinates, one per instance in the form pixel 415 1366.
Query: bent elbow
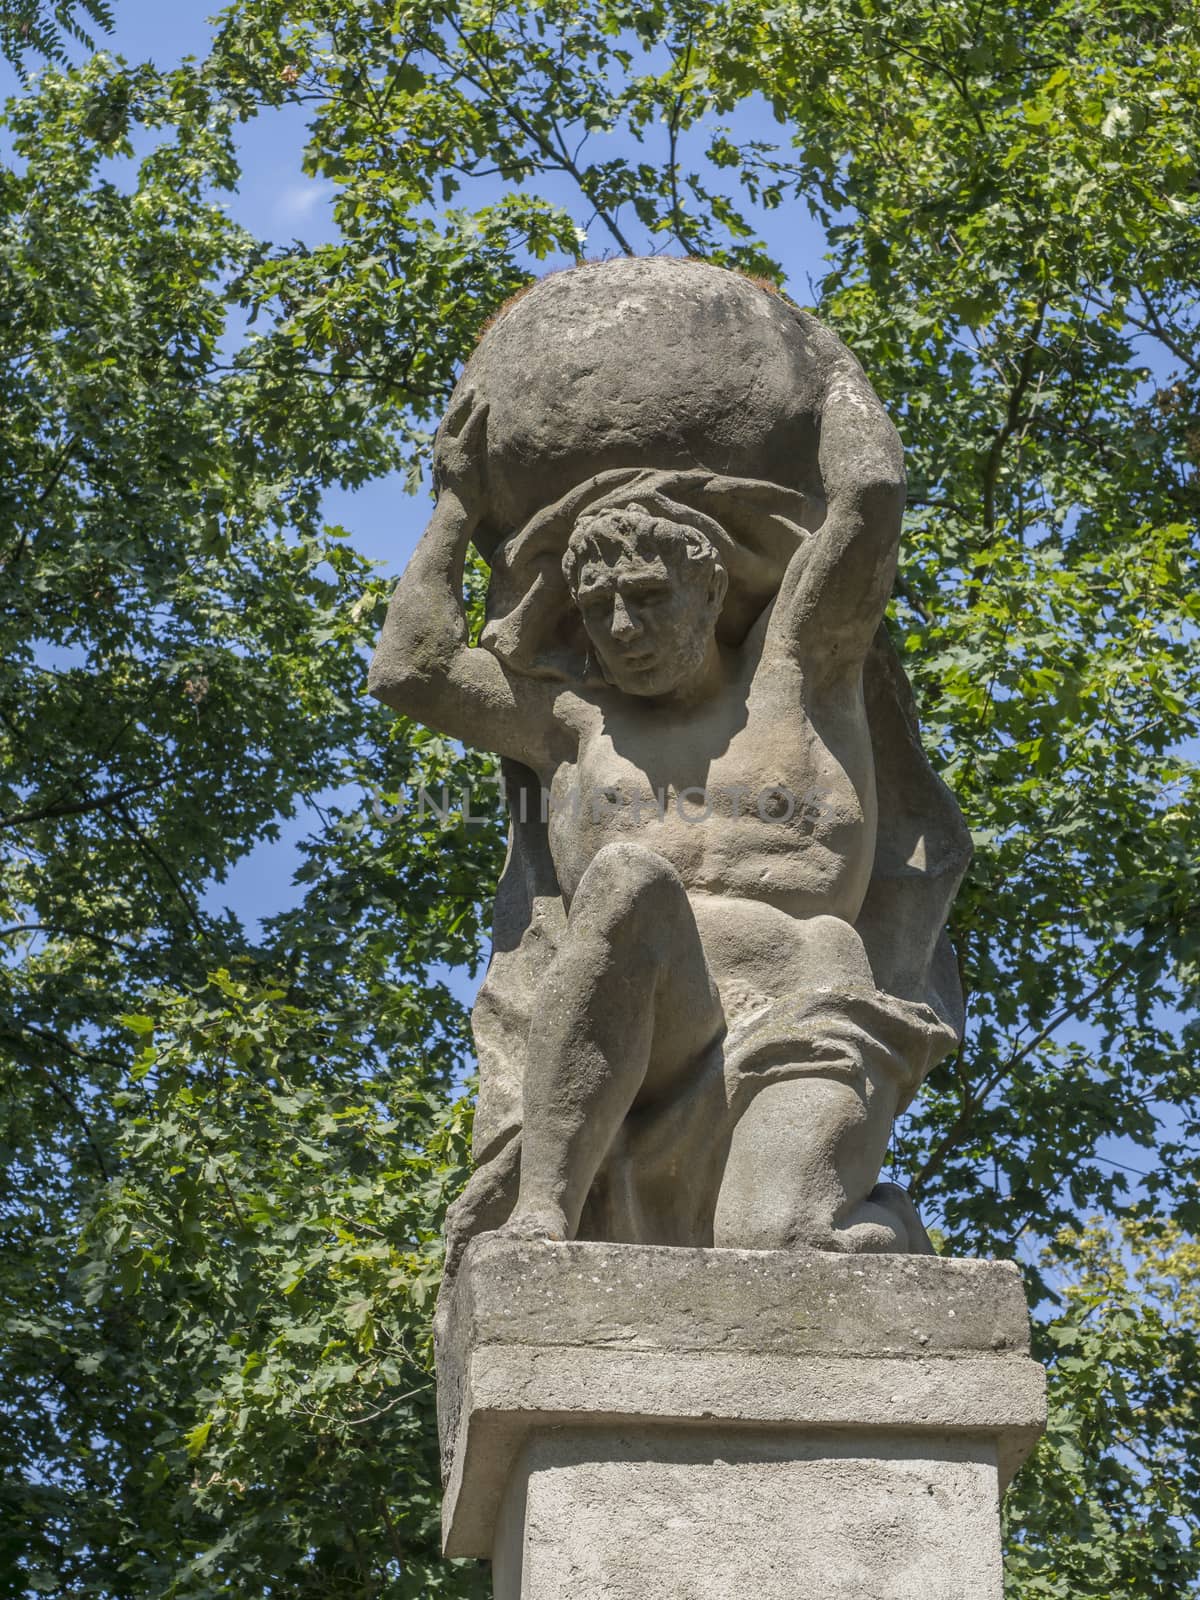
pixel 871 508
pixel 393 680
pixel 878 472
pixel 882 494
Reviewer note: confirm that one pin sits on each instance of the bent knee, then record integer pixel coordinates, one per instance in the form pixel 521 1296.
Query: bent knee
pixel 625 880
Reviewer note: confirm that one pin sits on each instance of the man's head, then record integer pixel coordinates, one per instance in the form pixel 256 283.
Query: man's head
pixel 650 592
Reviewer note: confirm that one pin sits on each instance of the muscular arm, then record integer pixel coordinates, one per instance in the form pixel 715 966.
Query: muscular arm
pixel 837 585
pixel 425 667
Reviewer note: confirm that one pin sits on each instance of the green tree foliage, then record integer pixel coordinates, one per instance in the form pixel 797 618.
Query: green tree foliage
pixel 228 1152
pixel 1108 1506
pixel 1020 282
pixel 182 649
pixel 33 27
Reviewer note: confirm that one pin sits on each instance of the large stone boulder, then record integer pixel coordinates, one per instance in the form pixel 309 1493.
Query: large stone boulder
pixel 652 362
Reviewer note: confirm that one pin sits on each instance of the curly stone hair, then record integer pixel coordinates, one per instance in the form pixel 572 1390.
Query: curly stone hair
pixel 635 534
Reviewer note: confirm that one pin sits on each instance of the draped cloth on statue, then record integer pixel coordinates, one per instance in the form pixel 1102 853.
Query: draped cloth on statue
pixel 910 1019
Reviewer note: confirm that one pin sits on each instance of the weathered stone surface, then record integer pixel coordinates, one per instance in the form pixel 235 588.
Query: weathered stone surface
pixel 706 1515
pixel 645 1298
pixel 720 966
pixel 880 1355
pixel 720 970
pixel 653 363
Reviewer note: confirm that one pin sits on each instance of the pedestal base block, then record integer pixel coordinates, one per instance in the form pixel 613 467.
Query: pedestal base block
pixel 622 1422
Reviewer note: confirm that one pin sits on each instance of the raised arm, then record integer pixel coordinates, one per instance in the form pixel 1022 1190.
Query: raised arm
pixel 837 585
pixel 424 665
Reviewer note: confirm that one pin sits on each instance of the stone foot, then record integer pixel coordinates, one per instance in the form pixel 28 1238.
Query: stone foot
pixel 898 1201
pixel 547 1223
pixel 886 1223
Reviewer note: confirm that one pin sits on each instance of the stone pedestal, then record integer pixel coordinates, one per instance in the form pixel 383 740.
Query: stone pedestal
pixel 622 1422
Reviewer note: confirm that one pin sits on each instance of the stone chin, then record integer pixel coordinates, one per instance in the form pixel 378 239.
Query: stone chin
pixel 647 684
pixel 662 674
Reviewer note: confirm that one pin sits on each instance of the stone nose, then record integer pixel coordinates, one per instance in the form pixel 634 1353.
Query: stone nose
pixel 625 624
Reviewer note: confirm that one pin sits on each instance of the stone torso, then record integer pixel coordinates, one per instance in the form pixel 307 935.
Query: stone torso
pixel 763 792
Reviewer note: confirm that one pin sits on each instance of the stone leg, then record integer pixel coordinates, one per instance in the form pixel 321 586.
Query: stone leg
pixel 803 1166
pixel 626 1008
pixel 485 1204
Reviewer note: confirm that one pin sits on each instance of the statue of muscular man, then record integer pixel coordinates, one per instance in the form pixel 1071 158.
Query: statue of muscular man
pixel 712 821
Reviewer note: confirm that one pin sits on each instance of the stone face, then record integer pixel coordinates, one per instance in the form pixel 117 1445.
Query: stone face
pixel 746 1420
pixel 720 967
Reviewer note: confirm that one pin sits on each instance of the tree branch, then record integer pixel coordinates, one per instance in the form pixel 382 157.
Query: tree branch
pixel 193 911
pixel 61 1093
pixel 991 465
pixel 974 1099
pixel 673 157
pixel 69 933
pixel 78 808
pixel 561 157
pixel 1155 328
pixel 56 474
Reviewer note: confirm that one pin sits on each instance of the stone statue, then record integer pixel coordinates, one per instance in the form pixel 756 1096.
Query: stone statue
pixel 720 966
